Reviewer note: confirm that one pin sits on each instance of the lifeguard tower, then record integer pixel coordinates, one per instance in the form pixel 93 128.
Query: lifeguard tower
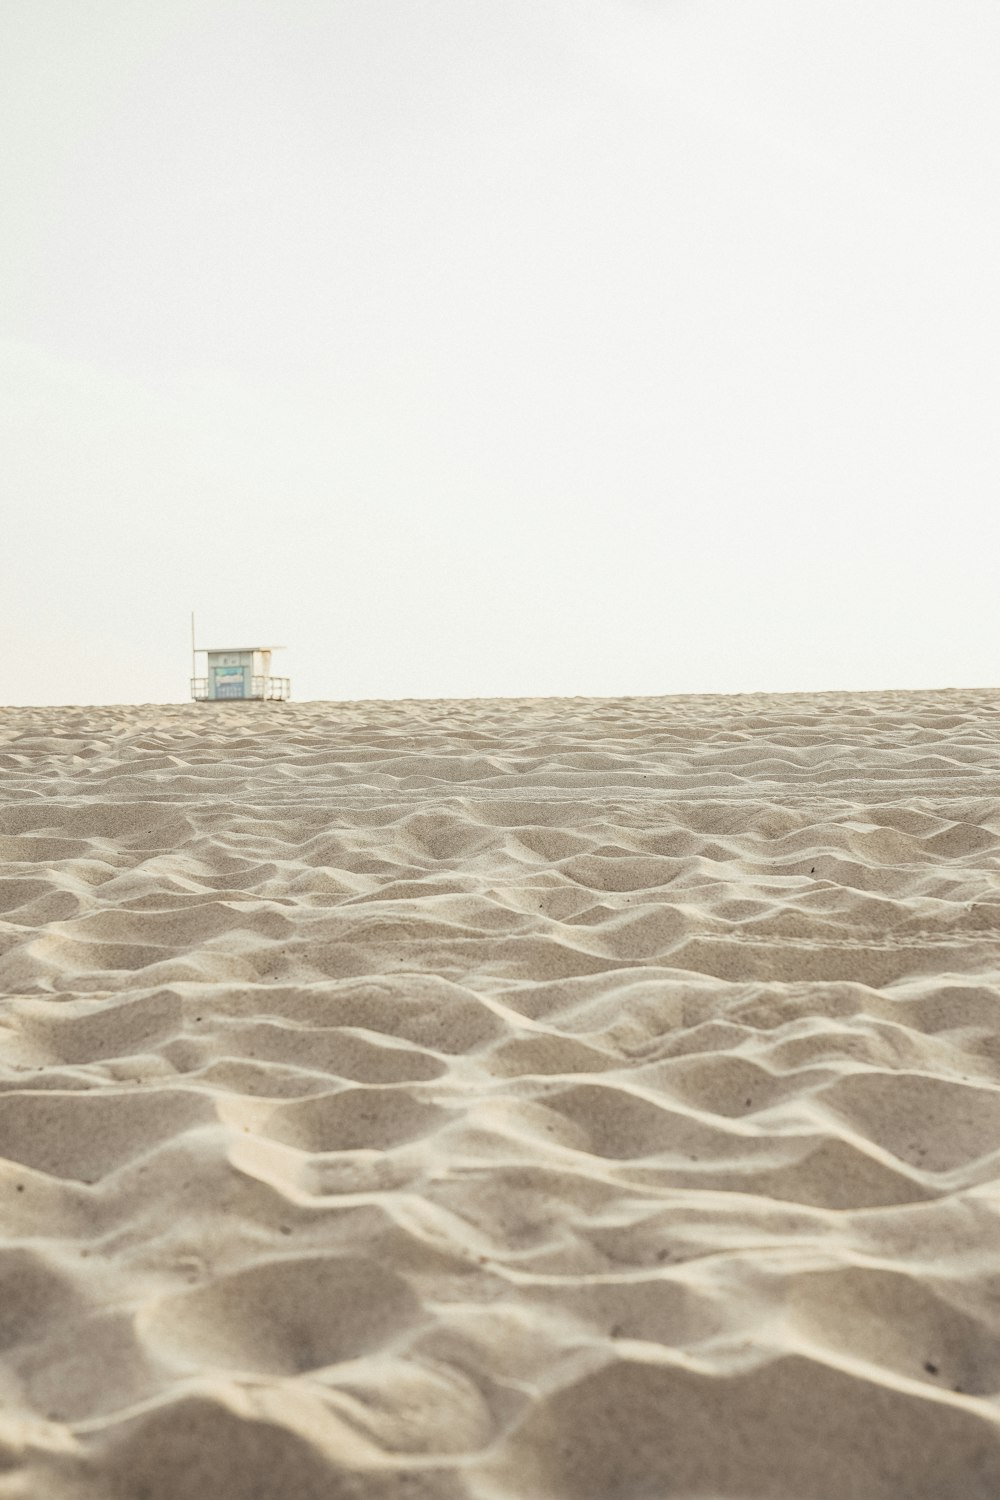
pixel 238 672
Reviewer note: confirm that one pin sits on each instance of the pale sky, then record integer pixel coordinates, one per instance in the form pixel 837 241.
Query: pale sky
pixel 497 347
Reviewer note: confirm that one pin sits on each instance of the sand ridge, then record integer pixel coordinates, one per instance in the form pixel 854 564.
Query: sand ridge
pixel 501 1099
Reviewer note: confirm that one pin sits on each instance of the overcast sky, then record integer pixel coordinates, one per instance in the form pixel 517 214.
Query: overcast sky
pixel 475 347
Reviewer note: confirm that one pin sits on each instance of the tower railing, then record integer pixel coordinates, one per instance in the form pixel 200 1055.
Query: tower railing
pixel 262 689
pixel 272 689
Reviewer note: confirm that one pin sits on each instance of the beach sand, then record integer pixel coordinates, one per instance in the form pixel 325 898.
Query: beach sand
pixel 501 1099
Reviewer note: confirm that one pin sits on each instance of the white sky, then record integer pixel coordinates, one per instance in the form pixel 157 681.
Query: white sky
pixel 474 347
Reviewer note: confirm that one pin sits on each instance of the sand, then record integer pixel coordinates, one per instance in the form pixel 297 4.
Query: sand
pixel 501 1100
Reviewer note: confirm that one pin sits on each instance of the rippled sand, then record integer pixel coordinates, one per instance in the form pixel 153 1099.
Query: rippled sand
pixel 501 1100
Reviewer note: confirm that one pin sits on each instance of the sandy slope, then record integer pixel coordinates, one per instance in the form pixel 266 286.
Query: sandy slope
pixel 501 1100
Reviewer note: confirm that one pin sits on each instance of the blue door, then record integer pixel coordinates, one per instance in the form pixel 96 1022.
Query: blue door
pixel 230 682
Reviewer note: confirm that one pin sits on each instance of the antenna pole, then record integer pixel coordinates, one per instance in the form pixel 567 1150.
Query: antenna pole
pixel 193 671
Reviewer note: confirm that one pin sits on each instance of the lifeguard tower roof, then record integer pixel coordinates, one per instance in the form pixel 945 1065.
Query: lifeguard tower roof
pixel 238 650
pixel 239 672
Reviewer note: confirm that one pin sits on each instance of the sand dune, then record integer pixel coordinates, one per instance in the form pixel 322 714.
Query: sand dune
pixel 501 1100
